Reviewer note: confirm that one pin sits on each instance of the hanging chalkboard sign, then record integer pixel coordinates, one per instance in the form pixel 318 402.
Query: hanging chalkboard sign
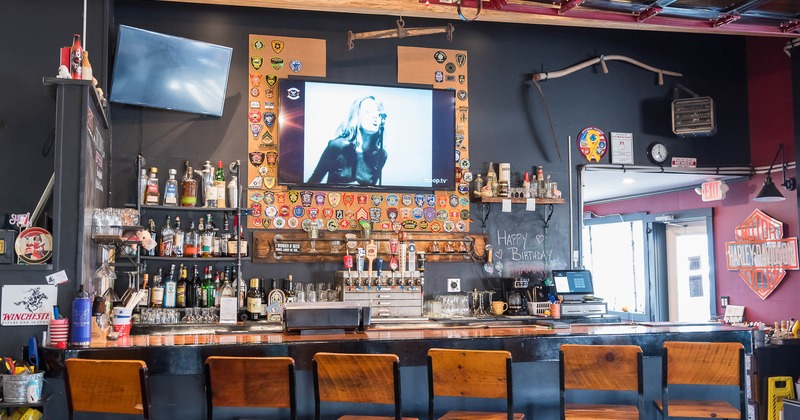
pixel 521 246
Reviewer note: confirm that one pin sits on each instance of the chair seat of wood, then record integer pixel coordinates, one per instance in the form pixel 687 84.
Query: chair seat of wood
pixel 478 415
pixel 601 412
pixel 700 409
pixel 374 418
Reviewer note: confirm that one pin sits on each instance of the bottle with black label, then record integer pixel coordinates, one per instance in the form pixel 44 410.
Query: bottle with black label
pixel 254 300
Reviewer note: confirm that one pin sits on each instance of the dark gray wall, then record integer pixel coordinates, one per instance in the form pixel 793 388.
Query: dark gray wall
pixel 508 121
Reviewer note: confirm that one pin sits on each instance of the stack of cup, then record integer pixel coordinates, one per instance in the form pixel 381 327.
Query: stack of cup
pixel 58 331
pixel 121 321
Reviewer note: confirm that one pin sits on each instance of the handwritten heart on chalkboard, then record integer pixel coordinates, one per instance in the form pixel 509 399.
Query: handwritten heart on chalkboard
pixel 539 238
pixel 499 254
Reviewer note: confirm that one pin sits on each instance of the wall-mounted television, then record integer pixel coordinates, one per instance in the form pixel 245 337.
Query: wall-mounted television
pixel 339 135
pixel 156 70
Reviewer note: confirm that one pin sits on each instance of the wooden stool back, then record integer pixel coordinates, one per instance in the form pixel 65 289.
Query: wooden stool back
pixel 702 363
pixel 601 368
pixel 107 386
pixel 598 367
pixel 470 373
pixel 231 382
pixel 357 378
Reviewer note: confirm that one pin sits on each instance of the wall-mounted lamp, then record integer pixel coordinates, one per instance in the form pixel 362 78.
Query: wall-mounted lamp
pixel 769 192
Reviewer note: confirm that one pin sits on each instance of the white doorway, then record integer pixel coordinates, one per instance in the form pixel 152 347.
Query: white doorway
pixel 690 292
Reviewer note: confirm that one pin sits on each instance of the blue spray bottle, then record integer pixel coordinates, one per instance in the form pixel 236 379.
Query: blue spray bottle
pixel 81 324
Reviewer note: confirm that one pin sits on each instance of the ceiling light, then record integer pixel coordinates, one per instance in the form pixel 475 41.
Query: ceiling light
pixel 628 180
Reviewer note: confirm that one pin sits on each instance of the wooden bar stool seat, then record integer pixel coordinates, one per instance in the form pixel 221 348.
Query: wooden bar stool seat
pixel 358 378
pixel 601 368
pixel 472 374
pixel 265 382
pixel 107 386
pixel 706 364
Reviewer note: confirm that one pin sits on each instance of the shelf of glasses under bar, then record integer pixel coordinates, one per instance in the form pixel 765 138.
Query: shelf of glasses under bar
pixel 127 235
pixel 296 246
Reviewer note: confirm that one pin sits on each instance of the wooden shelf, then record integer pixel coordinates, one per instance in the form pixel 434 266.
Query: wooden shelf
pixel 539 201
pixel 190 209
pixel 264 249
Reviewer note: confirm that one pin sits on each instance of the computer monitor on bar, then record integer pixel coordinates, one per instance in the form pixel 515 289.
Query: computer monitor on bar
pixel 573 285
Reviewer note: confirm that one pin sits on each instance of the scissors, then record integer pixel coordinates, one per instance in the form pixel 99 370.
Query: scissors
pixel 8 366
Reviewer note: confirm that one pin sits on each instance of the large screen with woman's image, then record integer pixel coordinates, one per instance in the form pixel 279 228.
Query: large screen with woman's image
pixel 360 136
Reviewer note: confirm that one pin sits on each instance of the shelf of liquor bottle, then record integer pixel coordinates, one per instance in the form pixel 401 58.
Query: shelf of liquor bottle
pixel 191 209
pixel 523 200
pixel 210 259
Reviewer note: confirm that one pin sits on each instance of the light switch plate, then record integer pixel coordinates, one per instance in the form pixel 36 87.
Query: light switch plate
pixel 453 285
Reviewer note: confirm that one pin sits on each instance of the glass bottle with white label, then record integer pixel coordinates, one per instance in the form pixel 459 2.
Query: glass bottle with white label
pixel 171 189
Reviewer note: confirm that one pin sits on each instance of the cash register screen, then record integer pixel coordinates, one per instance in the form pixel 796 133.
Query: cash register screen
pixel 573 284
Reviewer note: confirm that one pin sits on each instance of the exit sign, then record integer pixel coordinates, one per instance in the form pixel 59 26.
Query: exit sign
pixel 713 190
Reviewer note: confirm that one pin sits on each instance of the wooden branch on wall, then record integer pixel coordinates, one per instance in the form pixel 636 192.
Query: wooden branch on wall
pixel 400 32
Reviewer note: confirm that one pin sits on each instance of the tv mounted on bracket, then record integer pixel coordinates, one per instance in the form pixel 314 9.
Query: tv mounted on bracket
pixel 163 71
pixel 337 135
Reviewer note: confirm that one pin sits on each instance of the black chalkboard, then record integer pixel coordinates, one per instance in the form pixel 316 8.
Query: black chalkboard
pixel 521 246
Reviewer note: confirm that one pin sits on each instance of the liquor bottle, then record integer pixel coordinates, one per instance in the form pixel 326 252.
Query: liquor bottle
pixel 209 188
pixel 226 290
pixel 215 242
pixel 208 285
pixel 207 239
pixel 151 193
pixel 219 182
pixel 178 239
pixel 190 248
pixel 157 292
pixel 491 179
pixel 233 244
pixel 241 287
pixel 144 287
pixel 182 290
pixel 188 187
pixel 478 187
pixel 224 236
pixel 217 289
pixel 86 67
pixel 170 289
pixel 167 238
pixel 193 289
pixel 152 252
pixel 289 289
pixel 254 300
pixel 75 56
pixel 171 190
pixel 142 186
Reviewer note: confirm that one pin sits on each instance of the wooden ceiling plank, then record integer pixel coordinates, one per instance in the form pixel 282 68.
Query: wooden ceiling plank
pixel 515 11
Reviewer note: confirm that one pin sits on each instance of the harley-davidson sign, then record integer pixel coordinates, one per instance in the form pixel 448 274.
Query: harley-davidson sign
pixel 761 253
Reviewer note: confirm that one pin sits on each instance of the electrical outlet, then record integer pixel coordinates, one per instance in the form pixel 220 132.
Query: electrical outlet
pixel 453 285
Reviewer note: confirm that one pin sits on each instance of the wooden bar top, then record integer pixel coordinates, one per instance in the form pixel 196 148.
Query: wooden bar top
pixel 185 353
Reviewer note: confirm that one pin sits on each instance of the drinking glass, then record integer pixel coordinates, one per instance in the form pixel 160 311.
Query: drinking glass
pixel 336 246
pixel 131 291
pixel 311 294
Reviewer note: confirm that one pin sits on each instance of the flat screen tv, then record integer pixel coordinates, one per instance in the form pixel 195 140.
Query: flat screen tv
pixel 338 135
pixel 573 284
pixel 168 72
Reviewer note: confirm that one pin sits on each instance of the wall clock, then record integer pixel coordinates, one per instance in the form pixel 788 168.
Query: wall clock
pixel 657 153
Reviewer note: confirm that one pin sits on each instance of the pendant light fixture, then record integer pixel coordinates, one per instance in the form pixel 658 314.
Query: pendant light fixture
pixel 769 192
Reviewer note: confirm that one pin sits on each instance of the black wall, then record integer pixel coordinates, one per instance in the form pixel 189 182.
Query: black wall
pixel 508 121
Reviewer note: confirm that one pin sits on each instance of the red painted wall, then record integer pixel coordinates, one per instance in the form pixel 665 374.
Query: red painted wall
pixel 728 213
pixel 771 123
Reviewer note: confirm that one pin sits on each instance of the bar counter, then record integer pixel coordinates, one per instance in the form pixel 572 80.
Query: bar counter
pixel 183 354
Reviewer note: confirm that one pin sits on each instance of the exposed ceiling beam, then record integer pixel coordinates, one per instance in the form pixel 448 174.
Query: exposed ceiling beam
pixel 510 11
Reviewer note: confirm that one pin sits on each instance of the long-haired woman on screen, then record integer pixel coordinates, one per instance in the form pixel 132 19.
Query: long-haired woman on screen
pixel 356 155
